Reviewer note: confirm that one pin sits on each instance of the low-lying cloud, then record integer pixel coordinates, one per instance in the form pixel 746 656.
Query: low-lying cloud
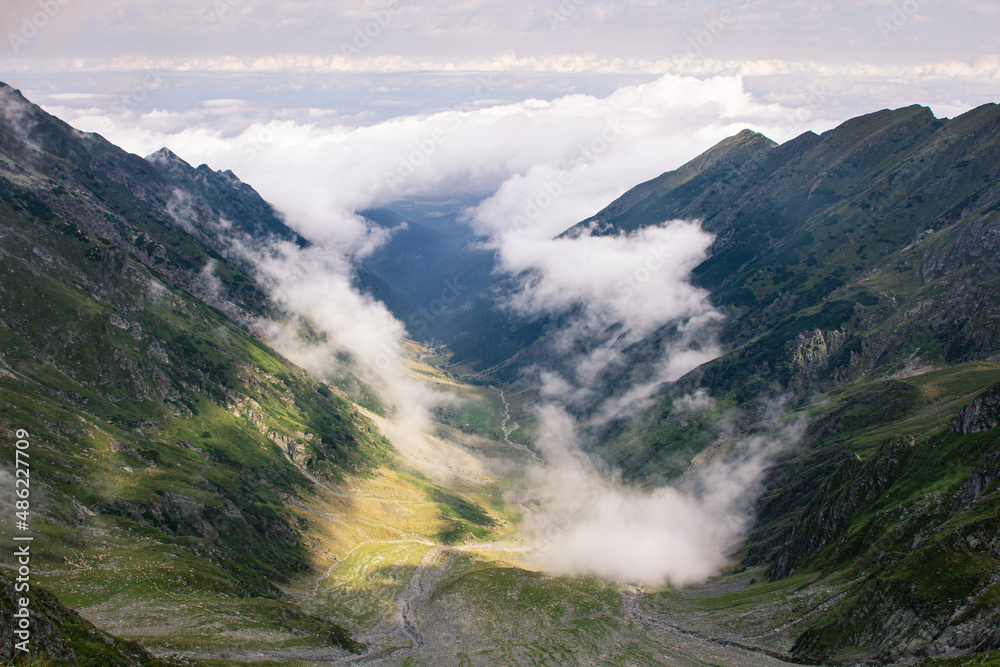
pixel 589 524
pixel 543 165
pixel 640 279
pixel 358 334
pixel 551 162
pixel 540 166
pixel 618 290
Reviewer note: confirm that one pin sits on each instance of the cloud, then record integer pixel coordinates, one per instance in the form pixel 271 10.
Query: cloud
pixel 582 522
pixel 543 164
pixel 697 402
pixel 358 333
pixel 640 279
pixel 590 148
pixel 318 174
pixel 617 290
pixel 223 84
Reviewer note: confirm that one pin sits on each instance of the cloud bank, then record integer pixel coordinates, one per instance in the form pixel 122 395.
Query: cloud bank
pixel 619 290
pixel 590 148
pixel 587 524
pixel 540 167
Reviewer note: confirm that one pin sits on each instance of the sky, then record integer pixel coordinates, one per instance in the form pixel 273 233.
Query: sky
pixel 374 59
pixel 535 114
pixel 142 71
pixel 514 86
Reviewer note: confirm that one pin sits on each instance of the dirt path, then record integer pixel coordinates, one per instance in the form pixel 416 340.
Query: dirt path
pixel 425 578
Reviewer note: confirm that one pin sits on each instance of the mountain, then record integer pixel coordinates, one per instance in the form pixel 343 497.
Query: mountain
pixel 898 193
pixel 857 271
pixel 163 434
pixel 427 277
pixel 193 489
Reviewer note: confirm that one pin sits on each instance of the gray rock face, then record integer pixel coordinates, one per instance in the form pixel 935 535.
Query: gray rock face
pixel 810 353
pixel 980 415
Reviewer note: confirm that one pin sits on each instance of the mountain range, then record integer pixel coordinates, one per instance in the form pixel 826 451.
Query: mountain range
pixel 178 460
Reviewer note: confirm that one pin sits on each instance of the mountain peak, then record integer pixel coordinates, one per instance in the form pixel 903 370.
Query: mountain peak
pixel 9 91
pixel 167 158
pixel 739 147
pixel 746 135
pixel 14 107
pixel 644 204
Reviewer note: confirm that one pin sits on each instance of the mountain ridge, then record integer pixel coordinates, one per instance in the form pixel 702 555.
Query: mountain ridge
pixel 165 435
pixel 855 268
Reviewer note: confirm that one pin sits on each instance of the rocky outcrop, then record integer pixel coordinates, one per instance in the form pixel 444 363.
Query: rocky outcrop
pixel 980 415
pixel 845 495
pixel 981 478
pixel 241 406
pixel 928 564
pixel 810 353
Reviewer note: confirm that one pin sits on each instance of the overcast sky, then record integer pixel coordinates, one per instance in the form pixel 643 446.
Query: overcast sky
pixel 341 92
pixel 358 59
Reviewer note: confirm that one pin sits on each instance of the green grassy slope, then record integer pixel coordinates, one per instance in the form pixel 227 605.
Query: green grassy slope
pixel 857 271
pixel 159 427
pixel 60 636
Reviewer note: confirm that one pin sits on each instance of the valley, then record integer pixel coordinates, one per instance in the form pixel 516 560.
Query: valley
pixel 386 561
pixel 236 461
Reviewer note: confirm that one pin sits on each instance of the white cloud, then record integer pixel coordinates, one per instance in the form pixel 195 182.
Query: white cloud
pixel 315 283
pixel 619 289
pixel 215 87
pixel 593 148
pixel 697 402
pixel 547 163
pixel 640 279
pixel 586 523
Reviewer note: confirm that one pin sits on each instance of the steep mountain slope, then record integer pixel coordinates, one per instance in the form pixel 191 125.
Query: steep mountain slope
pixel 229 201
pixel 194 488
pixel 681 191
pixel 60 634
pixel 906 198
pixel 858 275
pixel 157 424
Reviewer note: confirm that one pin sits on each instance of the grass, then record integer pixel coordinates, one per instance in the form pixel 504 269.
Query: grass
pixel 985 659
